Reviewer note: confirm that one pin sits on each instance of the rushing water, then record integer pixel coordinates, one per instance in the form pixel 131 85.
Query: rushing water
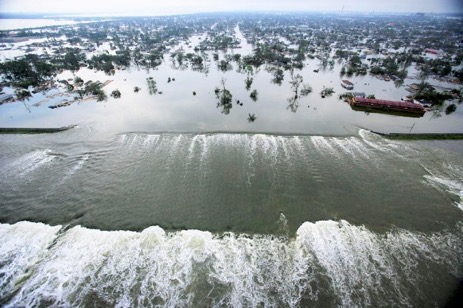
pixel 229 219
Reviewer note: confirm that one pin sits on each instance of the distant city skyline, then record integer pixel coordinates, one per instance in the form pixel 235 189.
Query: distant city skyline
pixel 151 8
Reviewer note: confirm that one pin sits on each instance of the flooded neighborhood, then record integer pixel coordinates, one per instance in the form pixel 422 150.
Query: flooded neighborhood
pixel 257 66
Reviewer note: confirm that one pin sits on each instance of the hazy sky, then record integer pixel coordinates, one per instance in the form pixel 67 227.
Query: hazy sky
pixel 157 7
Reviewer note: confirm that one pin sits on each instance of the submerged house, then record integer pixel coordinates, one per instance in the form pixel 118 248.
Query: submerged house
pixel 385 106
pixel 347 84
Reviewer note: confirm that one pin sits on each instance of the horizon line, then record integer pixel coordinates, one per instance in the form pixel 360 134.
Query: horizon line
pixel 12 15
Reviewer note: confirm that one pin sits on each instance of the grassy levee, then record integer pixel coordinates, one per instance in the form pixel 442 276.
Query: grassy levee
pixel 426 136
pixel 18 130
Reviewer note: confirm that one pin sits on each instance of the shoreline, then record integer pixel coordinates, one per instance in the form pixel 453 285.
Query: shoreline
pixel 27 130
pixel 421 136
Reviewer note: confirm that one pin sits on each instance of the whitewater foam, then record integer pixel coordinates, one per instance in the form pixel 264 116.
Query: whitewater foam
pixel 259 146
pixel 150 140
pixel 373 140
pixel 448 178
pixel 22 246
pixel 30 162
pixel 452 186
pixel 338 262
pixel 322 145
pixel 359 147
pixel 191 148
pixel 80 163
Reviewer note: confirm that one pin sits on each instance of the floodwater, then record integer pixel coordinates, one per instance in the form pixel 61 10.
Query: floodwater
pixel 13 24
pixel 164 200
pixel 177 109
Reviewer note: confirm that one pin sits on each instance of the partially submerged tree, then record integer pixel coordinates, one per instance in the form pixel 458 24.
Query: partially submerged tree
pixel 450 108
pixel 251 117
pixel 225 98
pixel 296 82
pixel 428 93
pixel 116 93
pixel 306 90
pixel 327 92
pixel 278 76
pixel 254 95
pixel 101 96
pixel 78 81
pixel 92 89
pixel 22 94
pixel 152 85
pixel 248 83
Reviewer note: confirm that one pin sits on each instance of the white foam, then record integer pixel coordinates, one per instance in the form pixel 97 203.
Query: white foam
pixel 22 246
pixel 31 162
pixel 452 186
pixel 80 164
pixel 150 140
pixel 322 145
pixel 360 148
pixel 454 171
pixel 297 142
pixel 131 141
pixel 191 148
pixel 176 142
pixel 251 148
pixel 369 138
pixel 283 141
pixel 267 145
pixel 228 140
pixel 205 147
pixel 448 178
pixel 345 146
pixel 126 140
pixel 123 139
pixel 122 268
pixel 358 262
pixel 273 147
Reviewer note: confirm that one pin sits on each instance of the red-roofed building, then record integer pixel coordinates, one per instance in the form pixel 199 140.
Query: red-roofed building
pixel 385 105
pixel 433 51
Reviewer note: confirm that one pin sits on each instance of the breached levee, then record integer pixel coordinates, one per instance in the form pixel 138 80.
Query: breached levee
pixel 328 263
